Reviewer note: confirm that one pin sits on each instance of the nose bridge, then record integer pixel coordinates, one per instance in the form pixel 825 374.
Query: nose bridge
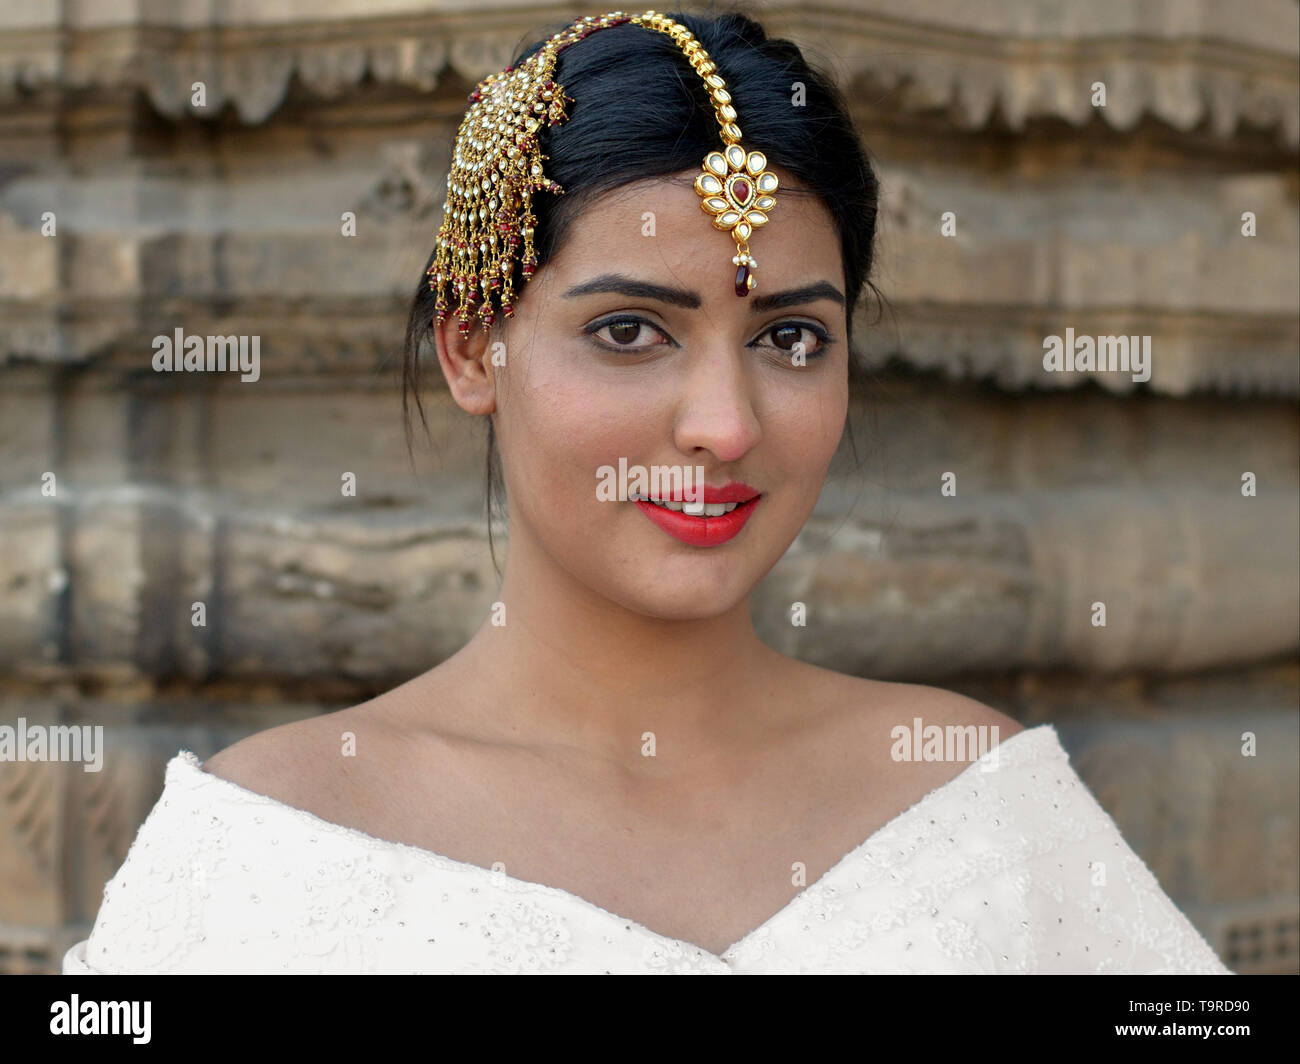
pixel 716 406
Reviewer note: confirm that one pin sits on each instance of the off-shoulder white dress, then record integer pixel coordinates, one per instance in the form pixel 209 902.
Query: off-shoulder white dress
pixel 1010 867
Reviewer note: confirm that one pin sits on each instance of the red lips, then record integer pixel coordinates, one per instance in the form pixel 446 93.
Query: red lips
pixel 706 531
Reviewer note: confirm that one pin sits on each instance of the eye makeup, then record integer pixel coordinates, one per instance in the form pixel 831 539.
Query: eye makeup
pixel 824 338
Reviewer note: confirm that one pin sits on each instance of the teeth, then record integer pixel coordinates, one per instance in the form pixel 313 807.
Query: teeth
pixel 695 509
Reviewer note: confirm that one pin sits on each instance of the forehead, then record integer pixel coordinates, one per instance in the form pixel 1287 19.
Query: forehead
pixel 660 223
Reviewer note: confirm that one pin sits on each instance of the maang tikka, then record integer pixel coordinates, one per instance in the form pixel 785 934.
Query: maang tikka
pixel 497 166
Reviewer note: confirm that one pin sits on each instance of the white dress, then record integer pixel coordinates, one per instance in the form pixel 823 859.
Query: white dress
pixel 994 872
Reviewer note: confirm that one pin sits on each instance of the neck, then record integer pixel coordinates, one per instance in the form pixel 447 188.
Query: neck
pixel 574 670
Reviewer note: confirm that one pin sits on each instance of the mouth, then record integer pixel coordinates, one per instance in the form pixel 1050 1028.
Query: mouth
pixel 698 524
pixel 696 509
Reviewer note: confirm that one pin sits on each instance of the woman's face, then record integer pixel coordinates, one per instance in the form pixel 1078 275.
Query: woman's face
pixel 690 376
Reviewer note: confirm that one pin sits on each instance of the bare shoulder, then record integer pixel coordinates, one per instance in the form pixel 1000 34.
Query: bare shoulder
pixel 270 762
pixel 937 705
pixel 381 762
pixel 866 706
pixel 886 728
pixel 303 763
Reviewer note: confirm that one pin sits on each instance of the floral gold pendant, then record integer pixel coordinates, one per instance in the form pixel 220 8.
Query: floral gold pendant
pixel 737 192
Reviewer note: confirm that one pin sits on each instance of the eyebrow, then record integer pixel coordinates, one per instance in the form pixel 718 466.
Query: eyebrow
pixel 681 297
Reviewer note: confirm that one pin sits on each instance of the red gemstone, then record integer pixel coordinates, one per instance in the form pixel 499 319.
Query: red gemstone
pixel 742 279
pixel 741 189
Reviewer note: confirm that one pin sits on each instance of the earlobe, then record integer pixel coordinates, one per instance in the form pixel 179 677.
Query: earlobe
pixel 465 364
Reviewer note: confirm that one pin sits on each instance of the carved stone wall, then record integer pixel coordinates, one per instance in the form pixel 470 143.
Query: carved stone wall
pixel 1117 219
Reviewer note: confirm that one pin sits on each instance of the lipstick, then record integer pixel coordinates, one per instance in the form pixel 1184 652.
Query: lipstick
pixel 701 531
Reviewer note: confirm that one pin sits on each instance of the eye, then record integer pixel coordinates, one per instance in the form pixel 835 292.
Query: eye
pixel 622 331
pixel 785 335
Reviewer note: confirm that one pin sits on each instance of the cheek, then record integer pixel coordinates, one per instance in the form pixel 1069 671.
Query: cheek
pixel 565 430
pixel 803 429
pixel 586 428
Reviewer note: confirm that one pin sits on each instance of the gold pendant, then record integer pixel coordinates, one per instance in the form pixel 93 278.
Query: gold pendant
pixel 737 191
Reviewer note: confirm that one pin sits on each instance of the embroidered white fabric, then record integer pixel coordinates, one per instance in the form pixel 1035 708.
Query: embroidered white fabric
pixel 1014 870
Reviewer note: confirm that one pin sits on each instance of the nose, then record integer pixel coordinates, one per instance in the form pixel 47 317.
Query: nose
pixel 716 410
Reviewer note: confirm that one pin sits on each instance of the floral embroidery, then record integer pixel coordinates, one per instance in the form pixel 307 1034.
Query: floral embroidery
pixel 525 937
pixel 153 907
pixel 342 899
pixel 670 957
pixel 956 939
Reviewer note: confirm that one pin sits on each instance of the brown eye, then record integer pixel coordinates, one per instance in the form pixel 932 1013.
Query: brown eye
pixel 624 332
pixel 783 333
pixel 788 338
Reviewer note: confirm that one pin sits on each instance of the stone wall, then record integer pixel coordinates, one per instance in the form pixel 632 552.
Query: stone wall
pixel 1072 489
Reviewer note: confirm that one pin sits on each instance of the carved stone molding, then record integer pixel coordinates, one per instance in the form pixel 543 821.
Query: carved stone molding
pixel 1184 62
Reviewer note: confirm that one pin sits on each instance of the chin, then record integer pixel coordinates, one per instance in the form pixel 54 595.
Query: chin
pixel 690 586
pixel 678 601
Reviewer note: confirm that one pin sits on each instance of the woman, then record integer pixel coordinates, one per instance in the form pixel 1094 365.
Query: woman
pixel 616 774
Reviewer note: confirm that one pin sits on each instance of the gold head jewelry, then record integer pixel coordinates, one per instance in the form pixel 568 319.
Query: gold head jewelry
pixel 497 166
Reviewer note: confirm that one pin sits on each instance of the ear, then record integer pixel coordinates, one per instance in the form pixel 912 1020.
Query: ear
pixel 466 363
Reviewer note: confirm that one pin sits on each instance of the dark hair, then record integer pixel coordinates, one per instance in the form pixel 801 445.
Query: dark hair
pixel 640 111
